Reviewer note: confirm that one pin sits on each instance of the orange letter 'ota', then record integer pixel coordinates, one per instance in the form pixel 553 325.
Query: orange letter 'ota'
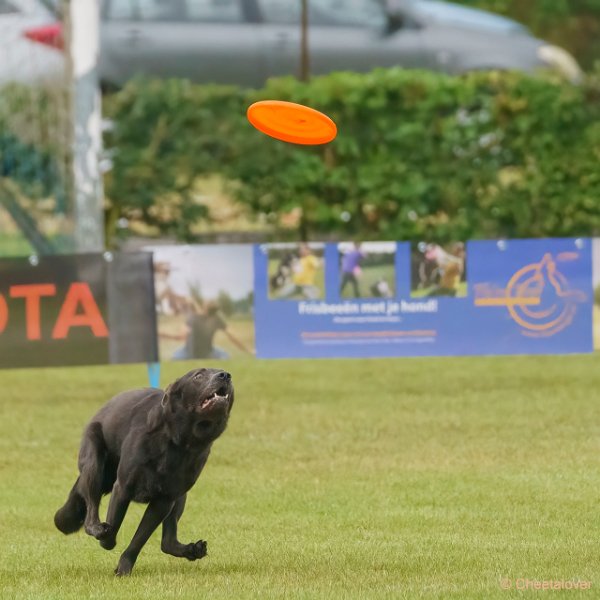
pixel 32 294
pixel 79 293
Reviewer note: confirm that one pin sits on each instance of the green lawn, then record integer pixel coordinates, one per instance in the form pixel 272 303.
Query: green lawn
pixel 408 478
pixel 461 291
pixel 372 274
pixel 14 244
pixel 596 327
pixel 241 326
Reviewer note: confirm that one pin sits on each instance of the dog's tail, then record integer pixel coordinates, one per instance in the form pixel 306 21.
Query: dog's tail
pixel 70 517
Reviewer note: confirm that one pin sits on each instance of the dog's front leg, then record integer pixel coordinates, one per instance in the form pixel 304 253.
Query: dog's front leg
pixel 155 514
pixel 171 545
pixel 117 507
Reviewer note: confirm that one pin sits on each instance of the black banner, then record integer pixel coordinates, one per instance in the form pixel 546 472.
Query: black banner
pixel 77 310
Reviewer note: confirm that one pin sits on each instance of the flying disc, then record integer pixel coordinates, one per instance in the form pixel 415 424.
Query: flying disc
pixel 291 122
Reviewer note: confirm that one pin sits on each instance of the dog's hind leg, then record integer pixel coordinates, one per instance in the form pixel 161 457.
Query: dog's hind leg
pixel 92 461
pixel 170 544
pixel 117 507
pixel 70 517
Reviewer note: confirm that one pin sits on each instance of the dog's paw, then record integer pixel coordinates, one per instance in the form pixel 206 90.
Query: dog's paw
pixel 100 531
pixel 124 567
pixel 109 542
pixel 195 551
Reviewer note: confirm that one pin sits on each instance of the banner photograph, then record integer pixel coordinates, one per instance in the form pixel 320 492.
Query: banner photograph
pixel 391 299
pixel 596 289
pixel 204 301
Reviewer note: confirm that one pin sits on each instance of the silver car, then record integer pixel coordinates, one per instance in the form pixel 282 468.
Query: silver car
pixel 30 50
pixel 247 41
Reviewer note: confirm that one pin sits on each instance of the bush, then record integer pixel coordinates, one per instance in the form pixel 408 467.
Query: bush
pixel 418 155
pixel 166 134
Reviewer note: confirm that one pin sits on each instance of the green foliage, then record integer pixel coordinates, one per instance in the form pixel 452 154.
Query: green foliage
pixel 226 304
pixel 244 306
pixel 32 142
pixel 34 170
pixel 418 155
pixel 167 133
pixel 573 24
pixel 426 155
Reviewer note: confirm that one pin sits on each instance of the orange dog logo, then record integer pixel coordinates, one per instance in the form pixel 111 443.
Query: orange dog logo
pixel 538 298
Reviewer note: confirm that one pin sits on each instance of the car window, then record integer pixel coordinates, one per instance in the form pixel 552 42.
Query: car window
pixel 159 10
pixel 341 13
pixel 353 13
pixel 121 10
pixel 144 10
pixel 280 12
pixel 214 11
pixel 454 14
pixel 7 8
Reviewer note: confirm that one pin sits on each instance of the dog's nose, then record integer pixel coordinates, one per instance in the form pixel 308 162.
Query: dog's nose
pixel 224 375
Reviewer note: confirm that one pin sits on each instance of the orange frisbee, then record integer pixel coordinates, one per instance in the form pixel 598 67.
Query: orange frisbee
pixel 291 122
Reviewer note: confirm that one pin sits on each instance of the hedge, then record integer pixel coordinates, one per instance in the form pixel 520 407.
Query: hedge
pixel 418 155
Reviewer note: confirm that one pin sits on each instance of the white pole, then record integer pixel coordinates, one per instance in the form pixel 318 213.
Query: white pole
pixel 84 45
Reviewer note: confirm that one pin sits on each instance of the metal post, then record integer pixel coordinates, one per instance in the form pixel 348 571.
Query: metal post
pixel 83 18
pixel 304 52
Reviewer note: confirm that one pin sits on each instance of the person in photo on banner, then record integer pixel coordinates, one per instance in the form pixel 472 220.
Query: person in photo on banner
pixel 199 332
pixel 304 276
pixel 451 267
pixel 351 270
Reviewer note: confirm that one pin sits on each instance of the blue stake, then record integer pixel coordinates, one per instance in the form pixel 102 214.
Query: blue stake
pixel 154 374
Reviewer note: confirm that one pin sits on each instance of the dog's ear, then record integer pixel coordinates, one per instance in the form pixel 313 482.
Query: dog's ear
pixel 172 397
pixel 165 401
pixel 157 415
pixel 170 404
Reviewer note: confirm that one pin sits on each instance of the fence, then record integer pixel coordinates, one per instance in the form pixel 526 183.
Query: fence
pixel 35 138
pixel 49 129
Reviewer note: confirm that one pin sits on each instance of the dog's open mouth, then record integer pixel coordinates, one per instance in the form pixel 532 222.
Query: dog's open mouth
pixel 221 394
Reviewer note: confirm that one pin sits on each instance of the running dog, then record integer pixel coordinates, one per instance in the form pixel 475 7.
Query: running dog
pixel 150 446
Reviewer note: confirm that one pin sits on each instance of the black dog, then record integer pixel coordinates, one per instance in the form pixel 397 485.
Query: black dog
pixel 148 446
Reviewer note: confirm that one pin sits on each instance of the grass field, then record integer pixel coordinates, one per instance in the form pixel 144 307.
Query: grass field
pixel 372 274
pixel 241 326
pixel 460 293
pixel 14 244
pixel 336 479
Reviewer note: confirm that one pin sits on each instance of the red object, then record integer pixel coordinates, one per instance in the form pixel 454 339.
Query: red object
pixel 290 122
pixel 50 35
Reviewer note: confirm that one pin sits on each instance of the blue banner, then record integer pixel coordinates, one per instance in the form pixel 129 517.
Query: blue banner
pixel 379 299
